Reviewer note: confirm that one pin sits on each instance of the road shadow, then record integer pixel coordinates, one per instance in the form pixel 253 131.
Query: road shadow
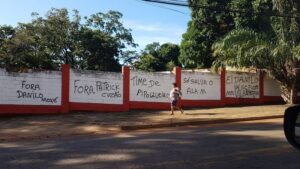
pixel 78 123
pixel 240 145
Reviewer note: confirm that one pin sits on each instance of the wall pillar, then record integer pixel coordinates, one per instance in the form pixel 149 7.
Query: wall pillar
pixel 223 86
pixel 177 71
pixel 126 87
pixel 65 93
pixel 261 86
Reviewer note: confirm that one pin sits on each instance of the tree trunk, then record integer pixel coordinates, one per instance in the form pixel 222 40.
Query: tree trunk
pixel 291 85
pixel 294 95
pixel 289 94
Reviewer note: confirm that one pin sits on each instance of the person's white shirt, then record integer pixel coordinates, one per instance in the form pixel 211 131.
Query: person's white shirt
pixel 174 92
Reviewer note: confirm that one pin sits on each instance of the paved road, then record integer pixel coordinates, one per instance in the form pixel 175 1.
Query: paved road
pixel 28 127
pixel 247 145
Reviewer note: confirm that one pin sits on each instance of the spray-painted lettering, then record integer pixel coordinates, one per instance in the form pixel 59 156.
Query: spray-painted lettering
pixel 33 91
pixel 103 88
pixel 149 94
pixel 141 81
pixel 196 91
pixel 242 86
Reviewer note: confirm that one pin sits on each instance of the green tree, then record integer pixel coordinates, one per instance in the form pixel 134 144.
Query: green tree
pixel 129 57
pixel 44 43
pixel 59 36
pixel 20 50
pixel 146 62
pixel 6 34
pixel 56 39
pixel 156 57
pixel 207 25
pixel 111 26
pixel 99 51
pixel 276 51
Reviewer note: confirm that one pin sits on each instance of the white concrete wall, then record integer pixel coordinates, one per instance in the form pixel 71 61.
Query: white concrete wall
pixel 242 85
pixel 150 87
pixel 39 88
pixel 271 87
pixel 96 87
pixel 200 86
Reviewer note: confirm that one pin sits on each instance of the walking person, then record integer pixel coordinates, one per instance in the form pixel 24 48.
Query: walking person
pixel 175 95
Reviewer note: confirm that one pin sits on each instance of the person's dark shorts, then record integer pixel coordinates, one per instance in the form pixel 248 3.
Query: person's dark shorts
pixel 174 103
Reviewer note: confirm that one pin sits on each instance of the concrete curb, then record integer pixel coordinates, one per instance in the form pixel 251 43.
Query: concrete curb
pixel 195 123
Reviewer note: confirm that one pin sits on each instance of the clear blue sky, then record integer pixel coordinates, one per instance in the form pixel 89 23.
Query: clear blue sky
pixel 149 22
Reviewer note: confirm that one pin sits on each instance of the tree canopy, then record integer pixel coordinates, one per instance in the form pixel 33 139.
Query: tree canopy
pixel 206 26
pixel 272 45
pixel 96 42
pixel 156 57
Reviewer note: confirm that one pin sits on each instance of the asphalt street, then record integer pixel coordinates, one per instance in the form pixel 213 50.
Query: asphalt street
pixel 247 145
